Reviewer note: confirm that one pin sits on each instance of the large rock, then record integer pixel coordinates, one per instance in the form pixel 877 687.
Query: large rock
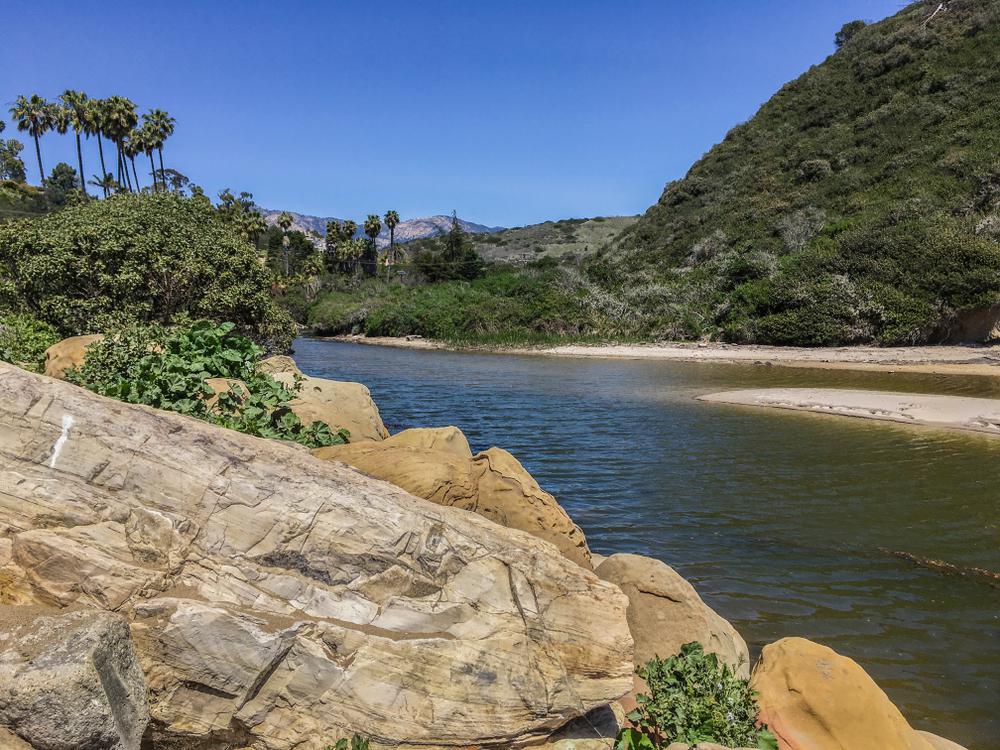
pixel 939 743
pixel 812 698
pixel 68 353
pixel 338 403
pixel 281 602
pixel 665 612
pixel 492 484
pixel 446 439
pixel 70 681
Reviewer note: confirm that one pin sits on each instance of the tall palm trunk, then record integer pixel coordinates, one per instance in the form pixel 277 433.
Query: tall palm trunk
pixel 38 155
pixel 152 169
pixel 138 188
pixel 162 175
pixel 79 158
pixel 104 169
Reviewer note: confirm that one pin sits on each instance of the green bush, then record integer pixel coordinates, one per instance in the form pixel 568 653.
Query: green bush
pixel 146 258
pixel 168 370
pixel 693 697
pixel 23 341
pixel 357 742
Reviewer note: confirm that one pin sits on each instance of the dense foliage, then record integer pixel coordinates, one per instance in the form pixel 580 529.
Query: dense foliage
pixel 861 203
pixel 169 369
pixel 693 697
pixel 23 341
pixel 155 258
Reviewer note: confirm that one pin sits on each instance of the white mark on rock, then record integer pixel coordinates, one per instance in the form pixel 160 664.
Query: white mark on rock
pixel 67 422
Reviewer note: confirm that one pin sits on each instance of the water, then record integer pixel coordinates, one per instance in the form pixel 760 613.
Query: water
pixel 784 522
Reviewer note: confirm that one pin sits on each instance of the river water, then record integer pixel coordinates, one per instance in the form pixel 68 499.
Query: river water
pixel 785 523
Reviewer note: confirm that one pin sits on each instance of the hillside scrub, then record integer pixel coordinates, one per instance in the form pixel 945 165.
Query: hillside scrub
pixel 137 258
pixel 854 207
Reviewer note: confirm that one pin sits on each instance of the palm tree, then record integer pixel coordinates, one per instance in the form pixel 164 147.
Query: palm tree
pixel 146 141
pixel 132 148
pixel 285 222
pixel 107 183
pixel 75 106
pixel 96 114
pixel 121 119
pixel 391 220
pixel 33 116
pixel 163 125
pixel 373 225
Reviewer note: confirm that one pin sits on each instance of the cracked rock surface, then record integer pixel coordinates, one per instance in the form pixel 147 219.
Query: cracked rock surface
pixel 278 601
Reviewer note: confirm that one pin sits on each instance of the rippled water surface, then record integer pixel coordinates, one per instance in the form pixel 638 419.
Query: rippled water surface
pixel 786 523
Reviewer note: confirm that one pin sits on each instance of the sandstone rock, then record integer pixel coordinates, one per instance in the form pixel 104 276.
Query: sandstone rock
pixel 447 439
pixel 665 612
pixel 279 363
pixel 282 602
pixel 939 743
pixel 223 385
pixel 492 484
pixel 68 353
pixel 812 698
pixel 595 731
pixel 70 681
pixel 339 404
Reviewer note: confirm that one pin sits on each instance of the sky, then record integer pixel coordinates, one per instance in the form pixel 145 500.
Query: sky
pixel 509 112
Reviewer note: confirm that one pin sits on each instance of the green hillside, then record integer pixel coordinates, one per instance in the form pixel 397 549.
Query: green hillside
pixel 861 203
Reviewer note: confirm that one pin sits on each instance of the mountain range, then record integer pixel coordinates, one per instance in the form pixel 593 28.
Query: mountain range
pixel 406 231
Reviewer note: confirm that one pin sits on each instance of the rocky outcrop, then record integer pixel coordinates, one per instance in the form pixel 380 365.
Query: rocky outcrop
pixel 68 353
pixel 279 363
pixel 446 439
pixel 338 403
pixel 279 601
pixel 812 698
pixel 70 681
pixel 665 612
pixel 492 484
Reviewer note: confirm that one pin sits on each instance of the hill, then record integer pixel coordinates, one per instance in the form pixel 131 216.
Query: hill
pixel 406 231
pixel 861 203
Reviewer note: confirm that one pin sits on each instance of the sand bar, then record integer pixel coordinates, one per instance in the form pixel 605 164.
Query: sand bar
pixel 951 412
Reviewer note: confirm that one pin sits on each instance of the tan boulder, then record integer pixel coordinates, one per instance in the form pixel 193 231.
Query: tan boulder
pixel 338 403
pixel 68 353
pixel 665 612
pixel 492 484
pixel 279 363
pixel 223 385
pixel 812 698
pixel 279 601
pixel 939 743
pixel 446 439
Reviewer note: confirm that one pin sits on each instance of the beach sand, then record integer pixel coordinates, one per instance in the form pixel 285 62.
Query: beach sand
pixel 951 412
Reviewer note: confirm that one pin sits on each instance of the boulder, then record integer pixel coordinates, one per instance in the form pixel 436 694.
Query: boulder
pixel 446 439
pixel 340 404
pixel 224 385
pixel 278 601
pixel 939 743
pixel 492 484
pixel 70 681
pixel 68 353
pixel 665 612
pixel 279 363
pixel 812 698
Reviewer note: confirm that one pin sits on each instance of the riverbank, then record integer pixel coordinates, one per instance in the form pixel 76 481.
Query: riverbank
pixel 950 412
pixel 935 360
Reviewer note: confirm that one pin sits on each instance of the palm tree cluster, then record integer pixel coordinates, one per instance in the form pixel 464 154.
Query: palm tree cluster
pixel 114 118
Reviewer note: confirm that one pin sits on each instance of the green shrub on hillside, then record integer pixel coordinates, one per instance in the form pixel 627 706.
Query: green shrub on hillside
pixel 146 258
pixel 168 369
pixel 23 341
pixel 693 697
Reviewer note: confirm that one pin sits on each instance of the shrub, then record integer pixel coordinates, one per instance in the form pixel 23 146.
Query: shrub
pixel 168 370
pixel 23 341
pixel 693 698
pixel 847 32
pixel 357 742
pixel 146 258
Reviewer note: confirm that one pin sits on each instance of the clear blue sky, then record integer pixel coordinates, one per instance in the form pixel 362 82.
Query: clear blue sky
pixel 509 112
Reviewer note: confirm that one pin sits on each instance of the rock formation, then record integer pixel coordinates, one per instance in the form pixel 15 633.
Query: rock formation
pixel 68 353
pixel 340 404
pixel 492 484
pixel 278 601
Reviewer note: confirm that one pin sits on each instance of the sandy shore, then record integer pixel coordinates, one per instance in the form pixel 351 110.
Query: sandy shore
pixel 943 360
pixel 951 412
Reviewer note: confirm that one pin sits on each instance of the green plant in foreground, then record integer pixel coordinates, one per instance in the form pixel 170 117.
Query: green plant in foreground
pixel 693 697
pixel 23 340
pixel 169 370
pixel 357 742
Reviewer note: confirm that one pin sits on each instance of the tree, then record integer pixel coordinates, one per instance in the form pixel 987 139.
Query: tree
pixel 350 229
pixel 162 125
pixel 391 221
pixel 96 115
pixel 145 140
pixel 456 239
pixel 132 149
pixel 33 116
pixel 121 119
pixel 61 186
pixel 847 32
pixel 11 166
pixel 75 107
pixel 108 183
pixel 373 225
pixel 285 222
pixel 241 212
